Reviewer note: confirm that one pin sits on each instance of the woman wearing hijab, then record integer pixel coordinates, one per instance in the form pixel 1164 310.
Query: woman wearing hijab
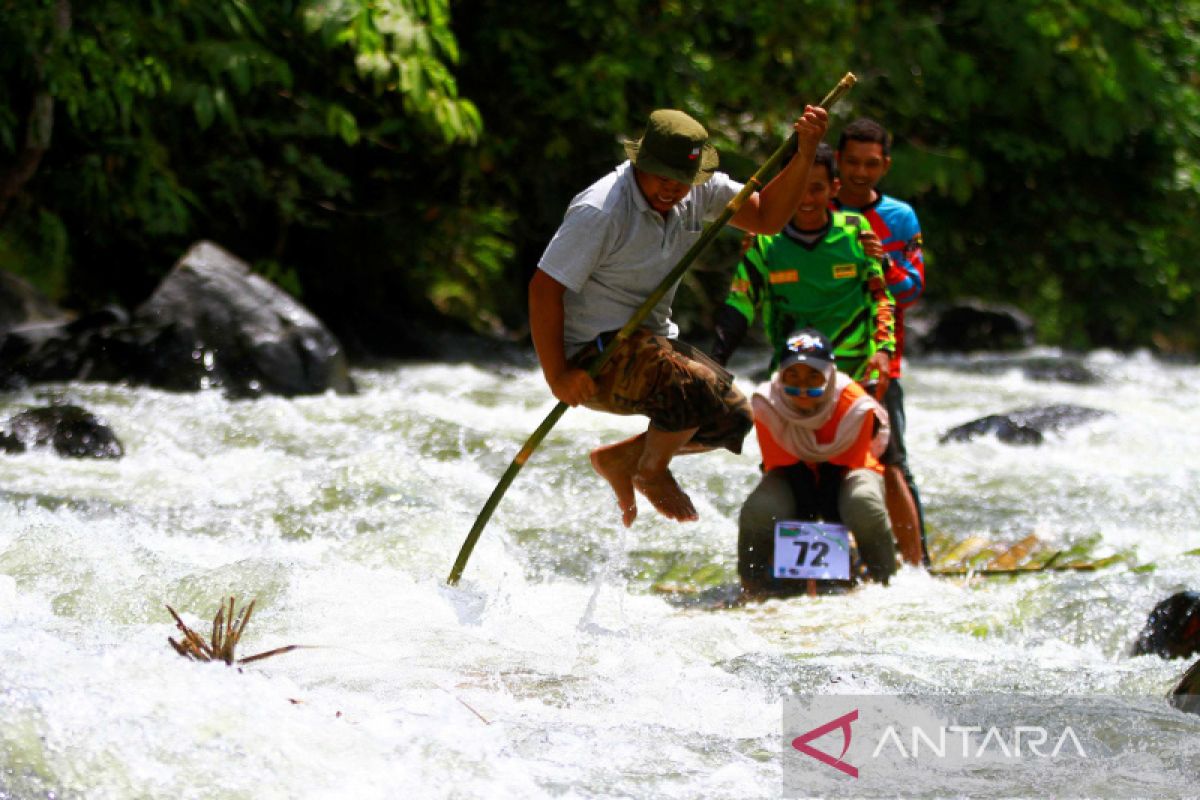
pixel 821 436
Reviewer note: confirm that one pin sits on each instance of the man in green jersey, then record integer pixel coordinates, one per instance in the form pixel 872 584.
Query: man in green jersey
pixel 814 274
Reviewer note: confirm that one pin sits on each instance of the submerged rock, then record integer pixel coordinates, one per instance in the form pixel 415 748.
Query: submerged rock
pixel 1024 426
pixel 969 326
pixel 1172 629
pixel 1060 370
pixel 69 430
pixel 1041 368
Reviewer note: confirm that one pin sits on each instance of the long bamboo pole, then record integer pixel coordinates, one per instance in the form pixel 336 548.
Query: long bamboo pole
pixel 709 233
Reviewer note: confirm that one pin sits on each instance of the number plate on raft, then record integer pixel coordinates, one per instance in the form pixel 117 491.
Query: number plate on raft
pixel 812 550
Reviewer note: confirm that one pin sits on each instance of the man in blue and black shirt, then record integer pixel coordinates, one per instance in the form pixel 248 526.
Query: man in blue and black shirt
pixel 864 157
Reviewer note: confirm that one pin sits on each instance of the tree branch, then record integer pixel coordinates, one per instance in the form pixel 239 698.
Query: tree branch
pixel 40 125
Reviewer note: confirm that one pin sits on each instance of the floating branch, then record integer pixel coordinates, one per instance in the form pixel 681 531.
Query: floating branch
pixel 227 630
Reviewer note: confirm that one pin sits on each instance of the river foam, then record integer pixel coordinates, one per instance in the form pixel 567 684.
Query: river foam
pixel 554 669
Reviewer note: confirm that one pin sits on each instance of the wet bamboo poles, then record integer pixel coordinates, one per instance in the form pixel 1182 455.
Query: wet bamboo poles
pixel 978 557
pixel 710 232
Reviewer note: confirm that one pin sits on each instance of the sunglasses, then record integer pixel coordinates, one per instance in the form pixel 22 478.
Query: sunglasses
pixel 801 391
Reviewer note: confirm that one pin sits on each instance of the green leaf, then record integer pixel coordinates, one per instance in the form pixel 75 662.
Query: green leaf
pixel 204 108
pixel 342 123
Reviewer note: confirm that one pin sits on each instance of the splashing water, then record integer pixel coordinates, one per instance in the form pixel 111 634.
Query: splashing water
pixel 554 669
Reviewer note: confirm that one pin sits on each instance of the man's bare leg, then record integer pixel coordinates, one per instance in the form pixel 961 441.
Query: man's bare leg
pixel 642 462
pixel 617 463
pixel 654 479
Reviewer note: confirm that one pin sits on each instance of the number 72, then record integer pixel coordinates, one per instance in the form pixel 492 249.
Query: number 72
pixel 819 550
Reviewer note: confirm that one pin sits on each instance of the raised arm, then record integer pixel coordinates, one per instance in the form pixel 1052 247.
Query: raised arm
pixel 769 209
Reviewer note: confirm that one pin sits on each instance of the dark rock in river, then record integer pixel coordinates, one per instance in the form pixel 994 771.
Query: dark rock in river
pixel 1172 629
pixel 69 430
pixel 1024 426
pixel 1059 370
pixel 969 326
pixel 1042 368
pixel 61 350
pixel 211 322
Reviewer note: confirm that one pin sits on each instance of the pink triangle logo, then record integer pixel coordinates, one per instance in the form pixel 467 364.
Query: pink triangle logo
pixel 843 722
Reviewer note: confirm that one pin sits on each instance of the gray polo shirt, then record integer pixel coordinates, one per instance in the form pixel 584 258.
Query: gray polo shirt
pixel 612 250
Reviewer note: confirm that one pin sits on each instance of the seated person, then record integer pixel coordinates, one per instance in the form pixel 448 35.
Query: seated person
pixel 821 437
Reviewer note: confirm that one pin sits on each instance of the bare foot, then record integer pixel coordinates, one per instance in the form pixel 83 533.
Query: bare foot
pixel 616 465
pixel 661 489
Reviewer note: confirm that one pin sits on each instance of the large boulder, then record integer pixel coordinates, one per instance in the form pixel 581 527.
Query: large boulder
pixel 967 326
pixel 68 430
pixel 214 322
pixel 1173 628
pixel 1025 425
pixel 210 323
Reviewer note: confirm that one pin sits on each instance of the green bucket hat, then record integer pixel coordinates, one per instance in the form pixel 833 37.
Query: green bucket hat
pixel 674 146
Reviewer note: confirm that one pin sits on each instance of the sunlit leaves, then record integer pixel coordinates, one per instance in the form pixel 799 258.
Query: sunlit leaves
pixel 223 118
pixel 402 46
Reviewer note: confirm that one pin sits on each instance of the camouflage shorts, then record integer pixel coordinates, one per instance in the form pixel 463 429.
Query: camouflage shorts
pixel 674 385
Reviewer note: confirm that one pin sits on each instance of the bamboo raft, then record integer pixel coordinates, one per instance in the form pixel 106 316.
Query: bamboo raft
pixel 977 555
pixel 968 559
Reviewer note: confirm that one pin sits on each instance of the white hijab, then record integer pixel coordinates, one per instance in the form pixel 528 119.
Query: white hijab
pixel 796 430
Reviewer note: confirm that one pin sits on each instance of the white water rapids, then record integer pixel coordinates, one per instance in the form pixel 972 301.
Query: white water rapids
pixel 553 670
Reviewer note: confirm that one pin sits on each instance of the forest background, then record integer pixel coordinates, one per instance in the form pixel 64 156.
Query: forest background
pixel 399 165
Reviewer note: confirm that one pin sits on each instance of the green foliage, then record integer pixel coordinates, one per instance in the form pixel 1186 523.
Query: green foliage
pixel 389 161
pixel 1044 155
pixel 282 276
pixel 404 46
pixel 259 125
pixel 464 269
pixel 38 251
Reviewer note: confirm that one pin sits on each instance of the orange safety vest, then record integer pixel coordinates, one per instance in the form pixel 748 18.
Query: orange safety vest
pixel 857 456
